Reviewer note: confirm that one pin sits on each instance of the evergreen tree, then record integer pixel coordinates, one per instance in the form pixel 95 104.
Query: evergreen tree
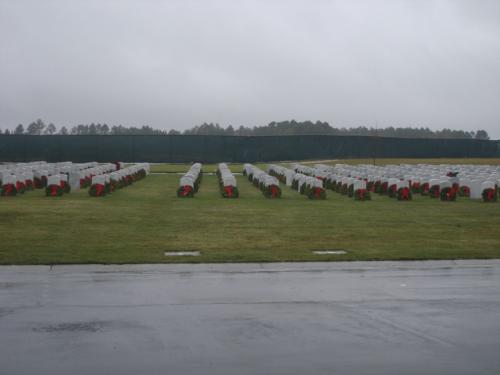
pixel 36 127
pixel 482 134
pixel 50 129
pixel 19 129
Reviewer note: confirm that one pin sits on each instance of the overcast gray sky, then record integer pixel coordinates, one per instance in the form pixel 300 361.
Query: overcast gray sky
pixel 175 64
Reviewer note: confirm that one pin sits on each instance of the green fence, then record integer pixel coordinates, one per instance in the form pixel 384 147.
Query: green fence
pixel 188 148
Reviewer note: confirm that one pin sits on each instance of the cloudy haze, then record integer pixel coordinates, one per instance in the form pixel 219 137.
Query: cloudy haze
pixel 176 64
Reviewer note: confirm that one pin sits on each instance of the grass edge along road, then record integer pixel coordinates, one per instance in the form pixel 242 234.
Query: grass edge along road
pixel 140 223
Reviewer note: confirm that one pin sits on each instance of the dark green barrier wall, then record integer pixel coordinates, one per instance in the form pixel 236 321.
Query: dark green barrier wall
pixel 187 148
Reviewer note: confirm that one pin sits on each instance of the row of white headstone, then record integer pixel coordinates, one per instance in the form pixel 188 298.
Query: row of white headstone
pixel 74 176
pixel 107 178
pixel 258 176
pixel 39 174
pixel 473 179
pixel 269 185
pixel 285 175
pixel 190 181
pixel 227 182
pixel 303 175
pixel 354 186
pixel 298 180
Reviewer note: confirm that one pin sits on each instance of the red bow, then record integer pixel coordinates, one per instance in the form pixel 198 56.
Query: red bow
pixel 361 194
pixel 228 191
pixel 274 191
pixel 404 194
pixel 317 192
pixel 54 190
pixel 490 195
pixel 450 194
pixel 436 191
pixel 186 190
pixel 99 190
pixel 8 189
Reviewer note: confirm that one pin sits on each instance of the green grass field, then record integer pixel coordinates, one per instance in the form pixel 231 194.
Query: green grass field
pixel 139 223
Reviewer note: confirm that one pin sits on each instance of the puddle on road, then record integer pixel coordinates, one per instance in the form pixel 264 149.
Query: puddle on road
pixel 93 326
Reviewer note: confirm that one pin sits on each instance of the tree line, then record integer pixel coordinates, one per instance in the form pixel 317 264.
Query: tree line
pixel 292 127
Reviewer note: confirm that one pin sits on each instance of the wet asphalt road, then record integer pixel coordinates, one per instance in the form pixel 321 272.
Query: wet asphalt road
pixel 315 318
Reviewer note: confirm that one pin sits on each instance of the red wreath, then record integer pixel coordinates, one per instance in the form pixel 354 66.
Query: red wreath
pixel 272 191
pixel 29 184
pixel 54 190
pixel 275 191
pixel 489 195
pixel 424 188
pixel 40 182
pixel 185 191
pixel 362 194
pixel 65 186
pixel 97 190
pixel 228 191
pixel 435 191
pixel 316 193
pixel 383 187
pixel 392 191
pixel 464 191
pixel 404 194
pixel 8 190
pixel 20 187
pixel 448 194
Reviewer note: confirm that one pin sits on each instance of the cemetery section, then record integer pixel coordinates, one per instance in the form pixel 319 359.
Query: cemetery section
pixel 60 213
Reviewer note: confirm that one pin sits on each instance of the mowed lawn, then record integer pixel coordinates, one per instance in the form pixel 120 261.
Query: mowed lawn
pixel 139 223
